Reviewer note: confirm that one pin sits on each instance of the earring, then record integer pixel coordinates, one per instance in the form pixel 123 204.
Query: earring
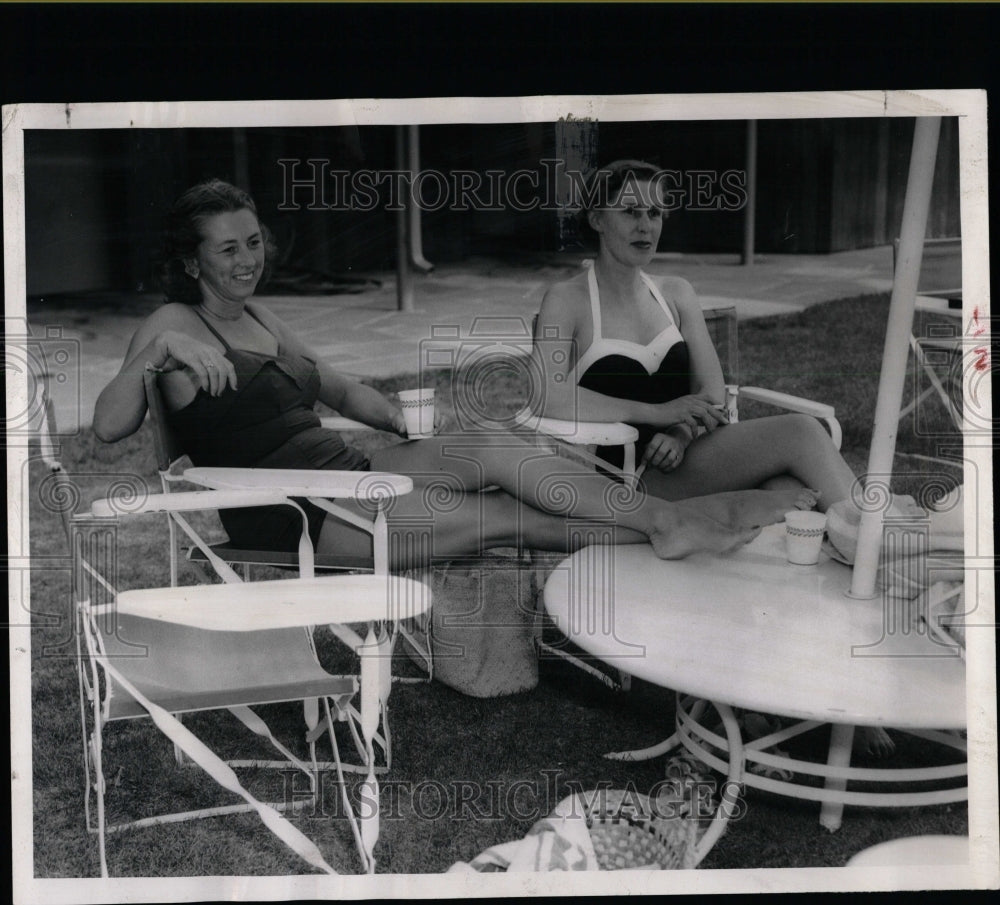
pixel 191 269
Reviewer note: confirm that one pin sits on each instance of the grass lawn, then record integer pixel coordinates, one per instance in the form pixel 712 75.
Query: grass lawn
pixel 468 773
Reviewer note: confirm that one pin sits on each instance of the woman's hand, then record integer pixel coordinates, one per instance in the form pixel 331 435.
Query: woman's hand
pixel 664 452
pixel 397 422
pixel 693 412
pixel 211 370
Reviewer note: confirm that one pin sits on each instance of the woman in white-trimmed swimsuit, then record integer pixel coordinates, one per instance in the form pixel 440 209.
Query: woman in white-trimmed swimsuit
pixel 621 345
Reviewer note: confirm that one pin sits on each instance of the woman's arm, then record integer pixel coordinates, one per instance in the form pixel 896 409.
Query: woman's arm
pixel 346 396
pixel 706 371
pixel 160 345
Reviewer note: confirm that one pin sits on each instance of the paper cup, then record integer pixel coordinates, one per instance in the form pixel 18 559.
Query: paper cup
pixel 804 536
pixel 418 412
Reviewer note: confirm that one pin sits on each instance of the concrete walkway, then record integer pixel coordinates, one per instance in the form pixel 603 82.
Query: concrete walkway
pixel 364 335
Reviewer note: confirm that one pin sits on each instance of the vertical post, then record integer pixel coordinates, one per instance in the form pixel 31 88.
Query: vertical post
pixel 831 813
pixel 404 287
pixel 241 159
pixel 576 147
pixel 897 343
pixel 750 209
pixel 415 234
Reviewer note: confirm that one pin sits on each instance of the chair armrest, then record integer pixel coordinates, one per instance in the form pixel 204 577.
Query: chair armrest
pixel 340 423
pixel 819 410
pixel 359 485
pixel 789 402
pixel 281 603
pixel 187 501
pixel 583 433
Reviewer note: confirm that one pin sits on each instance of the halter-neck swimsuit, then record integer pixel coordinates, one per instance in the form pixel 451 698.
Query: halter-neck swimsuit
pixel 656 372
pixel 267 422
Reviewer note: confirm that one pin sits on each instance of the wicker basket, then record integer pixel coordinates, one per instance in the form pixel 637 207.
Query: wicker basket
pixel 627 834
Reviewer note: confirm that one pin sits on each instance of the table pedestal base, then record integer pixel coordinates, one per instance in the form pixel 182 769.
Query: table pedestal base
pixel 752 764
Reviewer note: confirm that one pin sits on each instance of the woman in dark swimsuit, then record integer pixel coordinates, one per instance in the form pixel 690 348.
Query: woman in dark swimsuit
pixel 635 348
pixel 240 387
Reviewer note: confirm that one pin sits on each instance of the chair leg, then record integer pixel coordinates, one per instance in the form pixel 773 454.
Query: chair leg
pixel 425 652
pixel 99 787
pixel 352 820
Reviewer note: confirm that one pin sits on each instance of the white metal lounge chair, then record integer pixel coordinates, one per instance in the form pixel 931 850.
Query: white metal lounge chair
pixel 940 351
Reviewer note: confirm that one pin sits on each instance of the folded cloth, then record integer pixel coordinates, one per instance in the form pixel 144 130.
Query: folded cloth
pixel 905 577
pixel 844 517
pixel 556 843
pixel 945 525
pixel 944 613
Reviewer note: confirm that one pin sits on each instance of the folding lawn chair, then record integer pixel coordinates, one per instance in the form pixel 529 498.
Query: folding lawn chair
pixel 938 354
pixel 174 468
pixel 162 651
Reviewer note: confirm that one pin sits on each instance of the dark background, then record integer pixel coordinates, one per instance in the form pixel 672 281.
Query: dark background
pixel 222 51
pixel 94 199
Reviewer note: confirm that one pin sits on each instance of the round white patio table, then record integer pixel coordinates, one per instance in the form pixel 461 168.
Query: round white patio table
pixel 750 630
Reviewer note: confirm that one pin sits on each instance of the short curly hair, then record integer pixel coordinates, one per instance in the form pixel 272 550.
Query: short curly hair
pixel 182 234
pixel 603 185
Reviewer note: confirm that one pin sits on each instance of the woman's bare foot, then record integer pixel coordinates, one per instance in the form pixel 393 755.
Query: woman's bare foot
pixel 873 741
pixel 682 528
pixel 751 508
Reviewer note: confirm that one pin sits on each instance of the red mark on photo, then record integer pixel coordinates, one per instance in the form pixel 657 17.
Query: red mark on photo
pixel 982 362
pixel 980 328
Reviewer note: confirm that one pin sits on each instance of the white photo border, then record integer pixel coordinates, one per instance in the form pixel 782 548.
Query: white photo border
pixel 968 105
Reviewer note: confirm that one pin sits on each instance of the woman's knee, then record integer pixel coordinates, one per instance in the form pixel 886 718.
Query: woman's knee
pixel 796 428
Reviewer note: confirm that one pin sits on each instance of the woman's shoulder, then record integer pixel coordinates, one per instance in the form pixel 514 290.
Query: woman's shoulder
pixel 172 314
pixel 567 294
pixel 680 297
pixel 675 287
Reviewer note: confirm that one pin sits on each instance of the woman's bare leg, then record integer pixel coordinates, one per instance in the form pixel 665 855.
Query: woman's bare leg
pixel 752 453
pixel 747 508
pixel 427 525
pixel 560 487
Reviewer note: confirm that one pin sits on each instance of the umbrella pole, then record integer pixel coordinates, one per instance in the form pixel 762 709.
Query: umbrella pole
pixel 894 357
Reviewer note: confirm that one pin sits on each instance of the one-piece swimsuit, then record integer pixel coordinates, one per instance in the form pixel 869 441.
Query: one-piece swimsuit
pixel 657 372
pixel 266 422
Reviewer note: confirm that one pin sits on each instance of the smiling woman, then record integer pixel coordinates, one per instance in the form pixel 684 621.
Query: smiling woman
pixel 229 262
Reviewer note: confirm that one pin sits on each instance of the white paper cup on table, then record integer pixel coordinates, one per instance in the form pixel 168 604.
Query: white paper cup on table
pixel 804 536
pixel 418 412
